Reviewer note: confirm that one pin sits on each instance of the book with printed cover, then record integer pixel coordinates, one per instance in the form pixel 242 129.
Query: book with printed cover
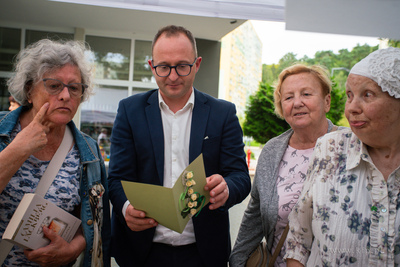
pixel 25 228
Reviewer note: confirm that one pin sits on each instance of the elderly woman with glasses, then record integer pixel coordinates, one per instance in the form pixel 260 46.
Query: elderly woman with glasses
pixel 51 80
pixel 349 211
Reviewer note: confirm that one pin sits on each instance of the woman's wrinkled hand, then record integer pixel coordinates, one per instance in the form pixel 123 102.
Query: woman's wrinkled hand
pixel 58 252
pixel 33 137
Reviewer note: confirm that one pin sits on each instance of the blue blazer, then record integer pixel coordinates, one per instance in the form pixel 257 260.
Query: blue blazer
pixel 137 154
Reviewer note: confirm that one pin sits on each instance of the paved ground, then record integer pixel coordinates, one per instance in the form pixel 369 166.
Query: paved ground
pixel 236 212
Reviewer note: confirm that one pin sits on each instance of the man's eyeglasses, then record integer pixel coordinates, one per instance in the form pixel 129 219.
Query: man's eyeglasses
pixel 181 69
pixel 54 87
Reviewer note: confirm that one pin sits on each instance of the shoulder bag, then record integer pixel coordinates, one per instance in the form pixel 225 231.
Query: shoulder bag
pixel 260 256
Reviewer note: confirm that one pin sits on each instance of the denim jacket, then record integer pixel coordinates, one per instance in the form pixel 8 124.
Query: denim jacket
pixel 95 207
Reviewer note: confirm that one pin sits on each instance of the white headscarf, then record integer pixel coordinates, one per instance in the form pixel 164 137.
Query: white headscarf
pixel 383 67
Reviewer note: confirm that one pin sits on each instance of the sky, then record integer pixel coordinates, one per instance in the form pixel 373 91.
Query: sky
pixel 277 41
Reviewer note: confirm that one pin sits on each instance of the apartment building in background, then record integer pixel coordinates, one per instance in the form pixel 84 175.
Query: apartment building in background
pixel 240 66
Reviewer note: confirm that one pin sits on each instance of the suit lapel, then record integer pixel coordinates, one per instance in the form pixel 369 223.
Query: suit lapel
pixel 154 121
pixel 199 124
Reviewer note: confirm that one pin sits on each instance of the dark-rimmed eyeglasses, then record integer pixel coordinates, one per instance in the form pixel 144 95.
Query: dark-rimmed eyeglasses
pixel 54 87
pixel 181 69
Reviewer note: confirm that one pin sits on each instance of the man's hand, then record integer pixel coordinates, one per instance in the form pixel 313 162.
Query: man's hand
pixel 137 220
pixel 219 191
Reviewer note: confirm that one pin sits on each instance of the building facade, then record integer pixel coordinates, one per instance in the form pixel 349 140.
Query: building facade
pixel 120 40
pixel 241 67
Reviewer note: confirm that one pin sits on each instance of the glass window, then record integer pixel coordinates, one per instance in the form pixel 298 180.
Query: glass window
pixel 32 36
pixel 142 71
pixel 137 90
pixel 4 94
pixel 111 56
pixel 101 109
pixel 10 42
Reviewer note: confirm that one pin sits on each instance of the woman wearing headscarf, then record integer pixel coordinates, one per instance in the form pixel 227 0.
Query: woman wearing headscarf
pixel 51 80
pixel 348 213
pixel 302 97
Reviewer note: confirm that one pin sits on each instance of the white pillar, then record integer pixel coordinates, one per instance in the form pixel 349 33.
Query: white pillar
pixel 79 36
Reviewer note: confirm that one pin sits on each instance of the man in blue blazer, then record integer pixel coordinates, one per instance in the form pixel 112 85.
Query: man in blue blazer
pixel 155 136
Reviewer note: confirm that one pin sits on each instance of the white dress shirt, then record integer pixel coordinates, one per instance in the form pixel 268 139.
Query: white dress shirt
pixel 176 128
pixel 176 158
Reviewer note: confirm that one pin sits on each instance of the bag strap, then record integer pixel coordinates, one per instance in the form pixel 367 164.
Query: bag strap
pixel 45 182
pixel 279 246
pixel 55 163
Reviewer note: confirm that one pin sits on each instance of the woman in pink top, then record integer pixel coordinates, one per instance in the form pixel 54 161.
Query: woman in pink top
pixel 302 98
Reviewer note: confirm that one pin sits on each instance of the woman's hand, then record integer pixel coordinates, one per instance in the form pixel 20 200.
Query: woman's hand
pixel 33 137
pixel 58 252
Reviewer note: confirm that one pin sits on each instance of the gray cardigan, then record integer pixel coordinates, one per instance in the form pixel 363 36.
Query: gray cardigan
pixel 261 214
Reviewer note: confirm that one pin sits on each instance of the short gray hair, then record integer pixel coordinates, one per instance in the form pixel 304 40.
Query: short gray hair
pixel 44 56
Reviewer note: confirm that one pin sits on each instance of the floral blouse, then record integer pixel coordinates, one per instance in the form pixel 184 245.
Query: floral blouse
pixel 347 214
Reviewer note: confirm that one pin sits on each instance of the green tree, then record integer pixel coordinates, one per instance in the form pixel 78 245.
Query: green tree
pixel 338 100
pixel 261 123
pixel 287 60
pixel 324 58
pixel 394 43
pixel 359 52
pixel 270 73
